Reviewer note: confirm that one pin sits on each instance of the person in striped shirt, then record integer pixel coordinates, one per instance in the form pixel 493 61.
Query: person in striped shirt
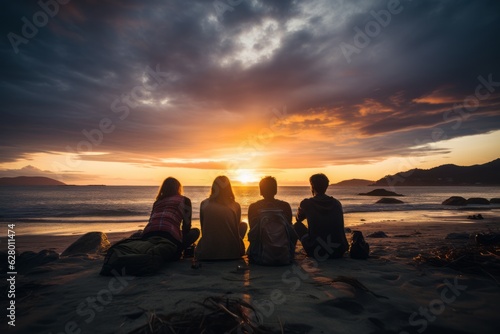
pixel 171 217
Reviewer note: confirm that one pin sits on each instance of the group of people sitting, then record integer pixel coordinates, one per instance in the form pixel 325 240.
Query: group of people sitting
pixel 272 236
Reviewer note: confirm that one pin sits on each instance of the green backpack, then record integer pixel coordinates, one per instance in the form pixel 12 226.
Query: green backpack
pixel 138 257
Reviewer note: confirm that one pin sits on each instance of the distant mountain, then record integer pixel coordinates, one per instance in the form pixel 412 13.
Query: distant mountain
pixel 353 183
pixel 29 181
pixel 487 174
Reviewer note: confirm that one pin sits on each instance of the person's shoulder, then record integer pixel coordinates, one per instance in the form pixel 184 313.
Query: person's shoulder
pixel 283 203
pixel 253 205
pixel 257 203
pixel 262 204
pixel 333 200
pixel 306 201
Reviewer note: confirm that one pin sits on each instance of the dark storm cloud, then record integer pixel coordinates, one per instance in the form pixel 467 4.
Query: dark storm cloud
pixel 220 69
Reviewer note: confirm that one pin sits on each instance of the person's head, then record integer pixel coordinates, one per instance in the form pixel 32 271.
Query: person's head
pixel 268 187
pixel 222 191
pixel 319 184
pixel 170 187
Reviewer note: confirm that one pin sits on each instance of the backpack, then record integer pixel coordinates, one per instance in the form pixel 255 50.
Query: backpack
pixel 138 257
pixel 359 248
pixel 271 239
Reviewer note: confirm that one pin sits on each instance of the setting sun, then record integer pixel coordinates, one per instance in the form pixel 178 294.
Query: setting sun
pixel 246 176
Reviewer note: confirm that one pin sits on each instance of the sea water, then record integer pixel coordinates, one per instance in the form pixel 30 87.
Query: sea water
pixel 74 209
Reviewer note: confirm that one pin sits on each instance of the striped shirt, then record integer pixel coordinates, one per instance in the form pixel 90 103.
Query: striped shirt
pixel 167 215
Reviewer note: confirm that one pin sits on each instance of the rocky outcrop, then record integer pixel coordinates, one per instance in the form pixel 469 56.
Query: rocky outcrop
pixel 446 175
pixel 389 200
pixel 478 200
pixel 29 259
pixel 495 201
pixel 29 181
pixel 455 200
pixel 378 234
pixel 89 243
pixel 380 192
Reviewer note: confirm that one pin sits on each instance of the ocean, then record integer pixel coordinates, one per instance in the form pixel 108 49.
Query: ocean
pixel 77 209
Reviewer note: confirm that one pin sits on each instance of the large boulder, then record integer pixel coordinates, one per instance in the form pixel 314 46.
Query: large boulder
pixel 455 200
pixel 89 243
pixel 478 200
pixel 495 201
pixel 380 192
pixel 29 259
pixel 389 200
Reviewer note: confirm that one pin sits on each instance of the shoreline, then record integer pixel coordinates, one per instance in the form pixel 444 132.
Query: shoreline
pixel 353 219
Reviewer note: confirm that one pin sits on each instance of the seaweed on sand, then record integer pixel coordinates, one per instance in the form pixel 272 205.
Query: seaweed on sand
pixel 213 316
pixel 469 259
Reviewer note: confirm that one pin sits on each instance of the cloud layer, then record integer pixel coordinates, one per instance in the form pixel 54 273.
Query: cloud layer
pixel 200 84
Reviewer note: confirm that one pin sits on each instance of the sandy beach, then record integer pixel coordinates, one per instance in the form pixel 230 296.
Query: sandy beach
pixel 310 296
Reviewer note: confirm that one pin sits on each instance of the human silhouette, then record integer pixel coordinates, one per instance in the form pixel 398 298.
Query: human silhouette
pixel 324 237
pixel 170 210
pixel 268 187
pixel 222 231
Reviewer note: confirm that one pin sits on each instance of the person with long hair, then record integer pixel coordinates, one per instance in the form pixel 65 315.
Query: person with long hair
pixel 222 231
pixel 171 210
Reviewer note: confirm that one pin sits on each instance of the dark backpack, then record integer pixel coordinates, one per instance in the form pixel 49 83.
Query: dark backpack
pixel 138 257
pixel 359 248
pixel 271 239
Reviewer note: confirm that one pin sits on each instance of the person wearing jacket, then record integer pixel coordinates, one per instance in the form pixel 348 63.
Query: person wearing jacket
pixel 324 237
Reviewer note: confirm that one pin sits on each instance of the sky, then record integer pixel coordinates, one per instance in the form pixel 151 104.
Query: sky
pixel 131 92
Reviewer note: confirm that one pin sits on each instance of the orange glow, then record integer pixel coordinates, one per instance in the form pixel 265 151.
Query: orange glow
pixel 439 96
pixel 246 176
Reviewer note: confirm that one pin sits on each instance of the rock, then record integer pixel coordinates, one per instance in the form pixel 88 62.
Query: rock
pixel 92 242
pixel 479 216
pixel 457 236
pixel 29 259
pixel 388 200
pixel 347 230
pixel 495 201
pixel 455 200
pixel 378 234
pixel 380 192
pixel 478 200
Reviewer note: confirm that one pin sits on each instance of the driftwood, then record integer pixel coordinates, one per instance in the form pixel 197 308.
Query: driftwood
pixel 214 315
